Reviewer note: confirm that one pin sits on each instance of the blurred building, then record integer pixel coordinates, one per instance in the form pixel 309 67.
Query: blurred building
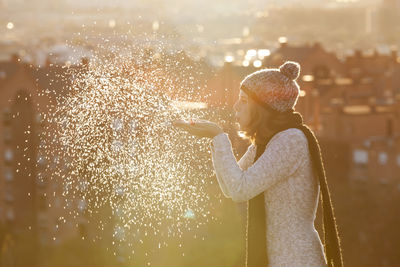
pixel 19 213
pixel 31 205
pixel 314 59
pixel 224 84
pixel 362 109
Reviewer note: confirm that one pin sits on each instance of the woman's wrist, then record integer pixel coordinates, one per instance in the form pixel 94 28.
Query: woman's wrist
pixel 217 132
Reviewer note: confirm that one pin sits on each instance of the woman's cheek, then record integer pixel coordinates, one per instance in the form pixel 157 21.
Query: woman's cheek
pixel 247 118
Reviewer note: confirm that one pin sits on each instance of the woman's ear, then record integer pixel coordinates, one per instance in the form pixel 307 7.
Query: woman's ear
pixel 268 115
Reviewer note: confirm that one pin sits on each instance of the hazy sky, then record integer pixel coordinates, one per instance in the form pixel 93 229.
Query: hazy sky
pixel 175 3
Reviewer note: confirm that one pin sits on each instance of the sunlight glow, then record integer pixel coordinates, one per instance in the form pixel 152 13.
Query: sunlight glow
pixel 10 26
pixel 229 58
pixel 257 63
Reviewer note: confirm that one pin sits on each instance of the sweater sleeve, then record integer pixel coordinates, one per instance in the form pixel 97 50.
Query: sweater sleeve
pixel 281 158
pixel 243 160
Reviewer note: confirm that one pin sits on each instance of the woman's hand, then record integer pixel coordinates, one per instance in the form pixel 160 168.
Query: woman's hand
pixel 201 128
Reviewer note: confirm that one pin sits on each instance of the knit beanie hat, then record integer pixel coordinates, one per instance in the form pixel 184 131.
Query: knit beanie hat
pixel 274 89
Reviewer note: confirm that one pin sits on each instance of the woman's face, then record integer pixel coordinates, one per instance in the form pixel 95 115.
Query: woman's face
pixel 242 109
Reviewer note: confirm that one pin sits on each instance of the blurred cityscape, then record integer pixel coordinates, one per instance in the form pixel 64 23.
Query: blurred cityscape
pixel 350 97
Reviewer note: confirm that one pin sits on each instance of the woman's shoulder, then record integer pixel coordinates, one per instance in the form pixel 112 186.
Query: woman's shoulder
pixel 291 132
pixel 293 135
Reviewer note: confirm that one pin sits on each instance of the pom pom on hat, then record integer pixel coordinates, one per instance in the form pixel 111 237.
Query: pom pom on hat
pixel 290 69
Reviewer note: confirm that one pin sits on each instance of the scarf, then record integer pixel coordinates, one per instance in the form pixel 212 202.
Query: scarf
pixel 256 243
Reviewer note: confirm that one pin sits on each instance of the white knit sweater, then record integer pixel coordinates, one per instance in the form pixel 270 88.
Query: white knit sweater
pixel 284 173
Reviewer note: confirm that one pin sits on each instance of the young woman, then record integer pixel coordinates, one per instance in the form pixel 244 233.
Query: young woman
pixel 280 175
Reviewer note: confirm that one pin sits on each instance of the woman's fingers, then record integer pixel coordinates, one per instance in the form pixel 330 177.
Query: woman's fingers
pixel 193 129
pixel 179 123
pixel 185 126
pixel 201 128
